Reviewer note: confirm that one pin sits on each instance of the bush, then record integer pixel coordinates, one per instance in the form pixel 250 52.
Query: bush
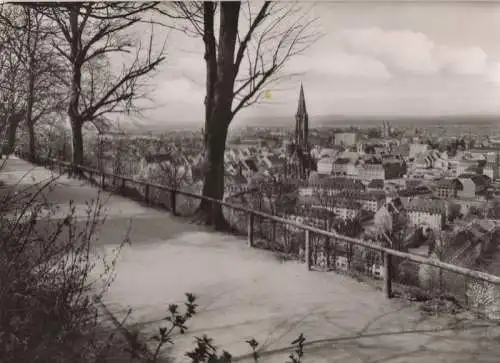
pixel 46 313
pixel 204 351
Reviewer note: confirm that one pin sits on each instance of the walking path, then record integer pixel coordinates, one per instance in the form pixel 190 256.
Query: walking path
pixel 247 293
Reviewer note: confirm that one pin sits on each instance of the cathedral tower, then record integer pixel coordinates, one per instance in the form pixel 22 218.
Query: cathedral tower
pixel 302 123
pixel 301 161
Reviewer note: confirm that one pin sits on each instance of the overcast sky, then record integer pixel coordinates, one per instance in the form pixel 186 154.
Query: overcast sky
pixel 374 59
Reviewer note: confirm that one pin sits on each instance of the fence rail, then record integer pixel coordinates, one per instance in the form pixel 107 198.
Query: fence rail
pixel 317 243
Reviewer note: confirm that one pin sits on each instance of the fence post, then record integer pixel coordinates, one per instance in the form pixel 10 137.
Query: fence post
pixel 146 193
pixel 251 218
pixel 308 250
pixel 334 253
pixel 173 201
pixel 387 275
pixel 102 180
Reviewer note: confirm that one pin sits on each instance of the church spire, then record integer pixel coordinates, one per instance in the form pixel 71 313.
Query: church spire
pixel 301 109
pixel 302 136
pixel 302 121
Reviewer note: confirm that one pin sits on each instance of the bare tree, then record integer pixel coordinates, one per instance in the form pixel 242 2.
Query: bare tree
pixel 37 84
pixel 89 35
pixel 12 107
pixel 262 45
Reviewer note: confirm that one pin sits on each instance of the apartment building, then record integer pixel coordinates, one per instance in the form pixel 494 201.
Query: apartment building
pixel 427 212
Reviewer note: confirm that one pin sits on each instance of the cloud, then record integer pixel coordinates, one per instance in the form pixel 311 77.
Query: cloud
pixel 407 51
pixel 494 73
pixel 339 64
pixel 180 90
pixel 466 61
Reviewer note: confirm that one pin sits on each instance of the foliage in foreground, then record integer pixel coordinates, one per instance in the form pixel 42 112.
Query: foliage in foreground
pixel 151 349
pixel 46 260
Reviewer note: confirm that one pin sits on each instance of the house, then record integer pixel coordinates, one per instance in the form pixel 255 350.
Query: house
pixel 328 153
pixel 491 170
pixel 408 194
pixel 341 166
pixel 482 153
pixel 376 185
pixel 316 215
pixel 467 203
pixel 466 166
pixel 394 169
pixel 370 171
pixel 371 201
pixel 429 212
pixel 447 188
pixel 247 167
pixel 275 164
pixel 468 189
pixel 346 209
pixel 481 183
pixel 347 154
pixel 332 185
pixel 234 184
pixel 412 183
pixel 325 165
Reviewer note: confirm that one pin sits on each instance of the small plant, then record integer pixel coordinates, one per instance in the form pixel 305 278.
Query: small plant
pixel 177 321
pixel 253 345
pixel 298 353
pixel 206 352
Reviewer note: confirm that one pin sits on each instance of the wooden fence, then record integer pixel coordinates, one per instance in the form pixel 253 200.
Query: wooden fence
pixel 387 255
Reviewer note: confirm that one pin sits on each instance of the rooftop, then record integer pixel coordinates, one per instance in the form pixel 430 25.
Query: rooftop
pixel 376 183
pixel 432 206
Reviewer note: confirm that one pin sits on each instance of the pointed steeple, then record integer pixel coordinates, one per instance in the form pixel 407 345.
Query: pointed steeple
pixel 302 121
pixel 302 135
pixel 301 109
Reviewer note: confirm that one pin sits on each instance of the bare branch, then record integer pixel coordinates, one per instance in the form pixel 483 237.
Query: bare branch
pixel 253 26
pixel 98 35
pixel 273 46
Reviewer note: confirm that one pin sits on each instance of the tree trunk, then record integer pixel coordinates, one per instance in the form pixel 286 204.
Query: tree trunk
pixel 31 146
pixel 76 128
pixel 218 103
pixel 12 125
pixel 213 185
pixel 76 80
pixel 32 75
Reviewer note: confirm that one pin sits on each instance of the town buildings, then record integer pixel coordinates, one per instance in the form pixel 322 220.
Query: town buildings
pixel 346 139
pixel 427 212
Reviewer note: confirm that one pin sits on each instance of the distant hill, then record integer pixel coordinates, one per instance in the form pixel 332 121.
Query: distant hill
pixel 343 120
pixel 321 121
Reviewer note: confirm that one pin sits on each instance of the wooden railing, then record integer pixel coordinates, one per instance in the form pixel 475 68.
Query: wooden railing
pixel 388 254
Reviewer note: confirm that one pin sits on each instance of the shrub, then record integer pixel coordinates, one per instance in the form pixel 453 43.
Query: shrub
pixel 204 350
pixel 46 313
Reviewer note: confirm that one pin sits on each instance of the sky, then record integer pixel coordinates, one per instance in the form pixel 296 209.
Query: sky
pixel 373 59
